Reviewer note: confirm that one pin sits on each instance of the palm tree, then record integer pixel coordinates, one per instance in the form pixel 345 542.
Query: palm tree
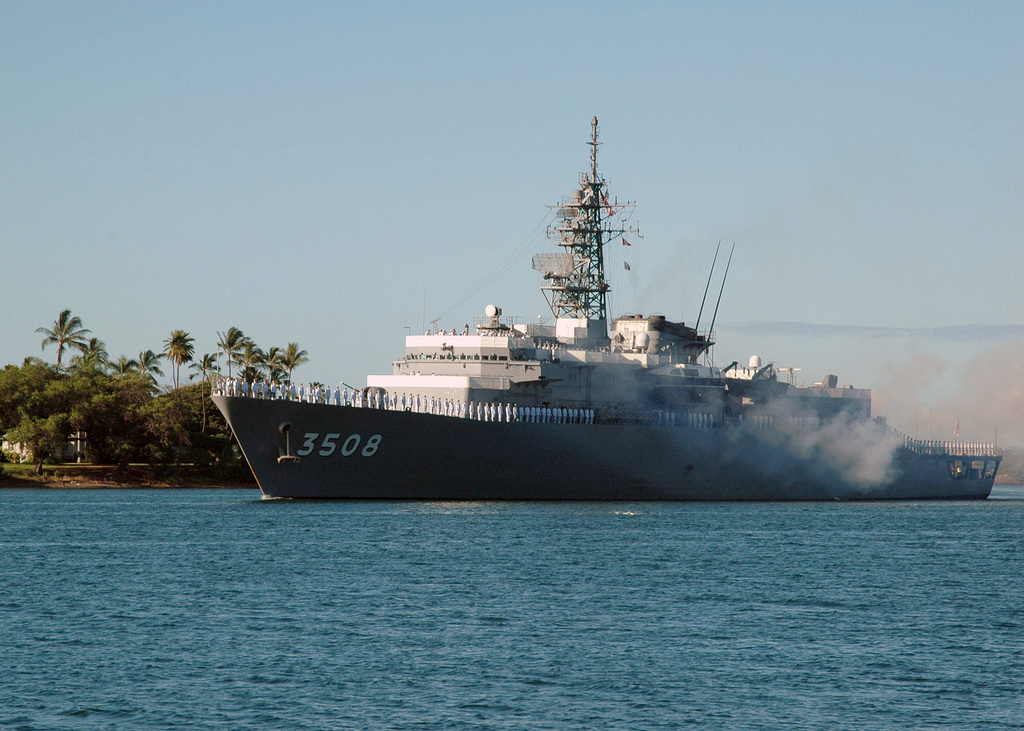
pixel 179 349
pixel 67 331
pixel 251 359
pixel 206 365
pixel 293 358
pixel 275 365
pixel 232 342
pixel 149 365
pixel 125 366
pixel 94 353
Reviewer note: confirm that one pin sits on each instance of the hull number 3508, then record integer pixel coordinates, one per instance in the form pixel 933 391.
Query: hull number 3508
pixel 329 445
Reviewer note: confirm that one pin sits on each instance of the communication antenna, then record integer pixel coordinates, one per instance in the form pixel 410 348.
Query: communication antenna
pixel 724 277
pixel 707 286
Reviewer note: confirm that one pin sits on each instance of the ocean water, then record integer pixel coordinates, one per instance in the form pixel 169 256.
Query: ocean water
pixel 213 609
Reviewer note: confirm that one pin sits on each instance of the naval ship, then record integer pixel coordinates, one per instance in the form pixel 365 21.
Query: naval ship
pixel 586 408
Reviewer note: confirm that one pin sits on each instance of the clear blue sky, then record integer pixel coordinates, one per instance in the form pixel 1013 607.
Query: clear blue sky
pixel 330 173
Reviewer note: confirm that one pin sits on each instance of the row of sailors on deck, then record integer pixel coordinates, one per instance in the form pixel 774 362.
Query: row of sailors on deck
pixel 278 391
pixel 484 411
pixel 952 449
pixel 479 411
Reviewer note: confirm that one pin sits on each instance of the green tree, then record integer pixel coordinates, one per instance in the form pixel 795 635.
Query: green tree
pixel 112 412
pixel 42 406
pixel 167 434
pixel 67 331
pixel 177 432
pixel 178 348
pixel 231 342
pixel 34 408
pixel 293 358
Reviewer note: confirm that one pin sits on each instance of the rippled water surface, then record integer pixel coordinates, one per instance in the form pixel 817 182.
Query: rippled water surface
pixel 212 609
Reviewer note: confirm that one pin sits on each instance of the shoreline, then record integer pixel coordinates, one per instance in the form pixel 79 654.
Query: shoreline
pixel 105 477
pixel 70 485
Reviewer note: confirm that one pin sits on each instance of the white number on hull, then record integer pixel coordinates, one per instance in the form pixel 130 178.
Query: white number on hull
pixel 309 444
pixel 351 444
pixel 330 444
pixel 327 448
pixel 371 446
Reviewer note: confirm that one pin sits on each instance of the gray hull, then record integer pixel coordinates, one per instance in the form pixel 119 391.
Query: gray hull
pixel 332 452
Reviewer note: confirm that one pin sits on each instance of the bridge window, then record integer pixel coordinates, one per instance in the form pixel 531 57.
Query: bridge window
pixel 977 468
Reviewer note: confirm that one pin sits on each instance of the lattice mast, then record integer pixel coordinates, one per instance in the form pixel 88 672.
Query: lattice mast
pixel 578 287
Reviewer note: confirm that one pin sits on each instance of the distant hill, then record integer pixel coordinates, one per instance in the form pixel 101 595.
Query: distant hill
pixel 1011 471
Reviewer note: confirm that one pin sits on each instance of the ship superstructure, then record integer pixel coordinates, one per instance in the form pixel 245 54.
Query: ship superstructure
pixel 637 364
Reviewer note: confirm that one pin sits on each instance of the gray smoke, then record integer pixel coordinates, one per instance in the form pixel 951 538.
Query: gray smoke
pixel 858 451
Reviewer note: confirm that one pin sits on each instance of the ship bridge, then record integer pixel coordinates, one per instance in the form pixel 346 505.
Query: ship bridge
pixel 656 334
pixel 464 347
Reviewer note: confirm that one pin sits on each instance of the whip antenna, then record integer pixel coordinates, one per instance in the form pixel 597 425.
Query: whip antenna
pixel 724 277
pixel 707 286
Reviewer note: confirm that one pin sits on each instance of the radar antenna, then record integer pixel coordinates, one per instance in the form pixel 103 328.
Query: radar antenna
pixel 584 225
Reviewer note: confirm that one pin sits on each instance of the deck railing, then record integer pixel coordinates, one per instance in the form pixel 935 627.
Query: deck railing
pixel 941 448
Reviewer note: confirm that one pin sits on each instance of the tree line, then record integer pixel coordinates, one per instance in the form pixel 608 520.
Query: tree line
pixel 274 365
pixel 123 413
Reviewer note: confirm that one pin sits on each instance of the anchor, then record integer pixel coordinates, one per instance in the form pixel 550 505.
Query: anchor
pixel 286 456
